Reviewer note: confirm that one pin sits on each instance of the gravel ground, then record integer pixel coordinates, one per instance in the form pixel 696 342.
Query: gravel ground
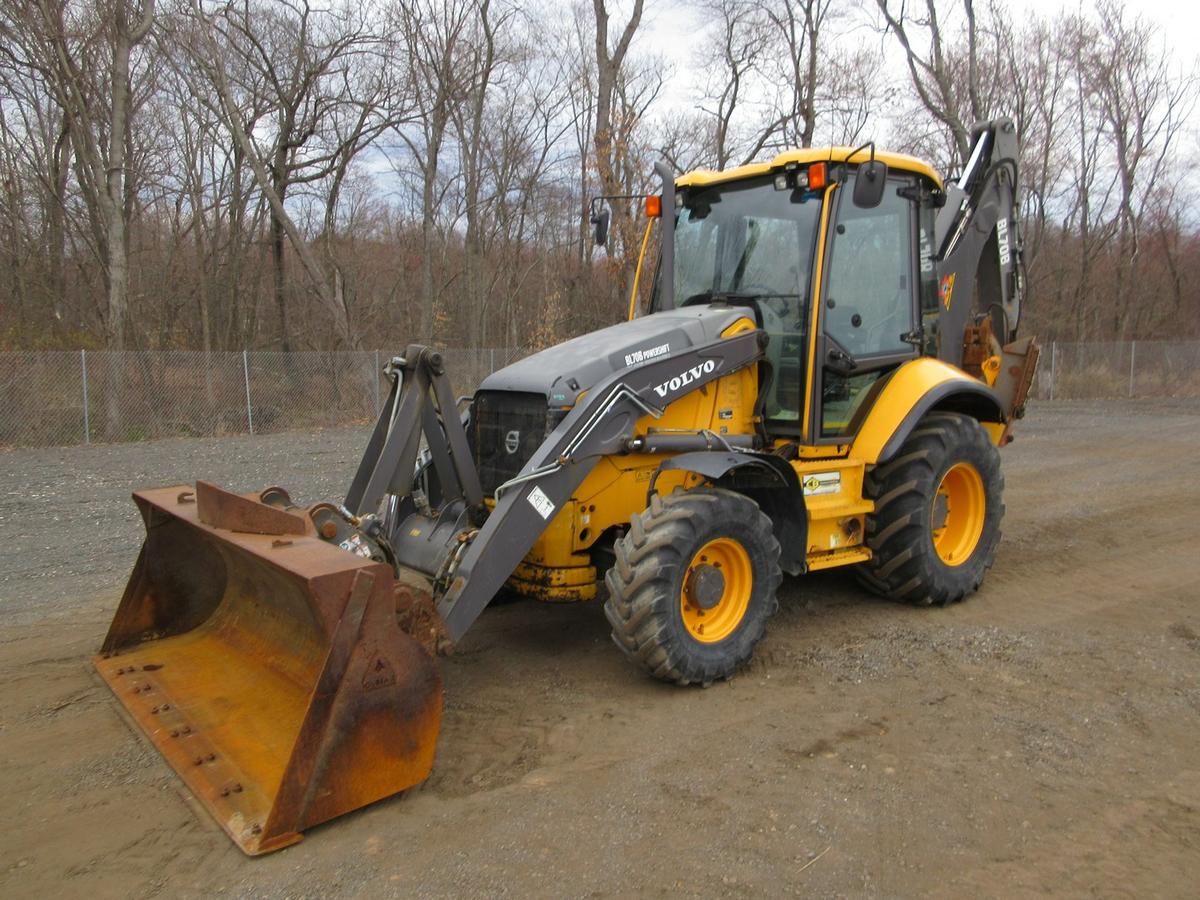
pixel 1038 739
pixel 69 531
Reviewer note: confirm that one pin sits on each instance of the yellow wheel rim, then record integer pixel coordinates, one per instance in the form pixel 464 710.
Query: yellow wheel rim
pixel 716 590
pixel 957 514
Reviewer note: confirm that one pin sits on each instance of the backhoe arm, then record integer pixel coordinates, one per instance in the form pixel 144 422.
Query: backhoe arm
pixel 978 251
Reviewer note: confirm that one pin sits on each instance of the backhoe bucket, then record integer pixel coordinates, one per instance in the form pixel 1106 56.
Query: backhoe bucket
pixel 267 666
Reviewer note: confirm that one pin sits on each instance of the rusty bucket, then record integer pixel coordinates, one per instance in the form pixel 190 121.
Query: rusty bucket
pixel 267 666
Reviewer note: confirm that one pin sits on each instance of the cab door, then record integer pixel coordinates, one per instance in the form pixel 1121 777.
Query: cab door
pixel 869 314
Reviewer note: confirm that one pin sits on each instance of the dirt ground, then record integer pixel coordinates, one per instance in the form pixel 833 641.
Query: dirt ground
pixel 1040 738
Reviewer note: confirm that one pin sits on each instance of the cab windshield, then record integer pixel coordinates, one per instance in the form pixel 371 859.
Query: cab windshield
pixel 748 242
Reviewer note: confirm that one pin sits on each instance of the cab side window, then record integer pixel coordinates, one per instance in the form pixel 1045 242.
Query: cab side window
pixel 869 301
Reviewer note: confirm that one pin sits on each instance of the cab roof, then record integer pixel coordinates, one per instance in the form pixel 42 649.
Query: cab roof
pixel 807 155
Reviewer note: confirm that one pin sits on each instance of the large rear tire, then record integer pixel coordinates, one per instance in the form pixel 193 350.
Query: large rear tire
pixel 938 506
pixel 693 585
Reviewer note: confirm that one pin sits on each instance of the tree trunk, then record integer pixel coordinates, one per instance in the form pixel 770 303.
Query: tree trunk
pixel 115 235
pixel 279 282
pixel 114 204
pixel 427 240
pixel 56 227
pixel 435 135
pixel 472 173
pixel 608 69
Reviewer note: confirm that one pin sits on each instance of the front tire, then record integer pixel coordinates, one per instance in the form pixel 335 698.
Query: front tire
pixel 693 585
pixel 938 506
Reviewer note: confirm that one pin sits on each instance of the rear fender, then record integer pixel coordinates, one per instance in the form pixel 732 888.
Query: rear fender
pixel 919 387
pixel 766 479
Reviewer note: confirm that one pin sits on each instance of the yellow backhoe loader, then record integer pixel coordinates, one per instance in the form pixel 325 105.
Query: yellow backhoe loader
pixel 826 369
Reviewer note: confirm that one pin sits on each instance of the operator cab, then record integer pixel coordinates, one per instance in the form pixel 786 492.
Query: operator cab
pixel 778 238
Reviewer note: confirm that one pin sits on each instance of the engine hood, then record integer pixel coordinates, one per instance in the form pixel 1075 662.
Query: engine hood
pixel 565 371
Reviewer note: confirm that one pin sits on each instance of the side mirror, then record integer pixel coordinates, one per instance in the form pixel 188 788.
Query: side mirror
pixel 600 224
pixel 869 184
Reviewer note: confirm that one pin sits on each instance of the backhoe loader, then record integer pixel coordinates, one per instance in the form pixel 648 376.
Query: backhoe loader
pixel 824 371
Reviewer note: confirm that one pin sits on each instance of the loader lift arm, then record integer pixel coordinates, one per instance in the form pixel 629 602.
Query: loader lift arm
pixel 420 395
pixel 467 555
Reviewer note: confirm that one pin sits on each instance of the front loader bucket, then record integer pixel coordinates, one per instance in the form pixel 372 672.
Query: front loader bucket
pixel 268 668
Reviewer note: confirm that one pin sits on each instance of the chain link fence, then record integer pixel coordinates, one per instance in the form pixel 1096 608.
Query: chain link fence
pixel 1100 370
pixel 50 398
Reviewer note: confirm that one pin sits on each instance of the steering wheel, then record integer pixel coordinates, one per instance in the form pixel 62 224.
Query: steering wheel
pixel 770 299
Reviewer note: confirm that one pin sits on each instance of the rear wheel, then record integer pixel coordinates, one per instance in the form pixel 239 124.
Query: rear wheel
pixel 693 585
pixel 938 506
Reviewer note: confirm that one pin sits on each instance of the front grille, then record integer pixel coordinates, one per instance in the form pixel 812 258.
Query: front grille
pixel 506 428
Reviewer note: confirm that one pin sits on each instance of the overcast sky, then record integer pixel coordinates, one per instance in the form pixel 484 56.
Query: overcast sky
pixel 673 28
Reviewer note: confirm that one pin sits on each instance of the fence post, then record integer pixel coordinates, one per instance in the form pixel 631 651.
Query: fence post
pixel 246 373
pixel 1132 353
pixel 1053 361
pixel 87 425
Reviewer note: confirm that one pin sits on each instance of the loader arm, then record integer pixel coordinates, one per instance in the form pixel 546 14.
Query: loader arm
pixel 597 427
pixel 466 565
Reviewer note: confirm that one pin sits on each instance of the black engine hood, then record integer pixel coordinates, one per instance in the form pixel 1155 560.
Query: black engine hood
pixel 563 372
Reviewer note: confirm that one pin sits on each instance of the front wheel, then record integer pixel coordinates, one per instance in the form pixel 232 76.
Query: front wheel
pixel 693 585
pixel 938 506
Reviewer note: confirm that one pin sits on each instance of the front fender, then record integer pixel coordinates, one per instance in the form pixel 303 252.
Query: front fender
pixel 916 388
pixel 766 479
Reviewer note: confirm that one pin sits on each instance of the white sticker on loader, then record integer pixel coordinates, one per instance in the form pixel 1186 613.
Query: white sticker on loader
pixel 822 483
pixel 540 502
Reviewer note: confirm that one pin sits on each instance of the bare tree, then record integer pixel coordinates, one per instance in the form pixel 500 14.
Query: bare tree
pixel 1143 108
pixel 251 175
pixel 851 90
pixel 35 156
pixel 741 43
pixel 484 55
pixel 931 69
pixel 608 132
pixel 581 92
pixel 434 40
pixel 302 91
pixel 524 129
pixel 798 26
pixel 85 58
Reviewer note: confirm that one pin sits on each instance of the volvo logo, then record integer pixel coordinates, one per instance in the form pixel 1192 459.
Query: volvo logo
pixel 512 442
pixel 685 378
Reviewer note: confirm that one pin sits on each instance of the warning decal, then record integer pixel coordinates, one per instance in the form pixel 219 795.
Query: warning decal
pixel 822 483
pixel 539 501
pixel 946 289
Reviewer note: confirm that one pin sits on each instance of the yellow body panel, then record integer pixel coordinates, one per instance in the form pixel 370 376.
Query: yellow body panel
pixel 904 389
pixel 557 584
pixel 617 487
pixel 835 558
pixel 809 155
pixel 833 499
pixel 995 431
pixel 817 451
pixel 559 566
